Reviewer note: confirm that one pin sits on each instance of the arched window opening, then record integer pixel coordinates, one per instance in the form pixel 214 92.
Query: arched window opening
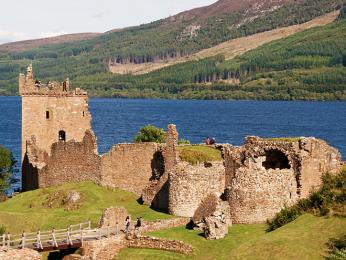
pixel 276 159
pixel 47 114
pixel 62 135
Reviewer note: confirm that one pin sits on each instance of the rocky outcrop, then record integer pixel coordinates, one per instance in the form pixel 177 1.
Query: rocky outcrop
pixel 113 216
pixel 20 254
pixel 103 249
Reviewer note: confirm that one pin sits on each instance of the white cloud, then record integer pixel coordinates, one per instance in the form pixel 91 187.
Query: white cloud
pixel 6 36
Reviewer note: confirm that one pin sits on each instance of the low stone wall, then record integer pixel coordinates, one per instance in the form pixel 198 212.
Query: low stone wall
pixel 164 224
pixel 131 166
pixel 20 254
pixel 161 244
pixel 190 185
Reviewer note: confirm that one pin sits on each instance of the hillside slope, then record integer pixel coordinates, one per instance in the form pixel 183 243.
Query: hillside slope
pixel 309 65
pixel 229 49
pixel 44 42
pixel 161 41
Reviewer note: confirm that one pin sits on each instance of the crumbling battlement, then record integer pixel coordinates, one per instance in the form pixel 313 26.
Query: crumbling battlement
pixel 264 175
pixel 52 113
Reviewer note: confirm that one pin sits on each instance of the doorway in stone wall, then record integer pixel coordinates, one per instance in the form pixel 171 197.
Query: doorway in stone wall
pixel 62 135
pixel 275 159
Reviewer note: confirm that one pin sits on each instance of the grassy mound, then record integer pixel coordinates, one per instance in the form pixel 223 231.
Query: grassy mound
pixel 304 238
pixel 199 153
pixel 32 210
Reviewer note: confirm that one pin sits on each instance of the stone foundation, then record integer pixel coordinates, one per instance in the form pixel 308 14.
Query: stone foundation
pixel 161 244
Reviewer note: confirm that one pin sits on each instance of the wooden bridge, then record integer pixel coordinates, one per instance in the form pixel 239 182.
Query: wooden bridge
pixel 56 239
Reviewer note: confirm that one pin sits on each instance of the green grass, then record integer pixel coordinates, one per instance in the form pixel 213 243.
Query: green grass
pixel 282 139
pixel 195 154
pixel 27 212
pixel 304 238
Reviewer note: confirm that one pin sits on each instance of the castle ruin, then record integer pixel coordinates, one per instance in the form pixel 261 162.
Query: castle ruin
pixel 252 183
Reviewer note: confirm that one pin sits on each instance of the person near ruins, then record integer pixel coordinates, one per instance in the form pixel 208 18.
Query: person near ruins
pixel 207 140
pixel 37 83
pixel 127 225
pixel 64 88
pixel 212 141
pixel 138 226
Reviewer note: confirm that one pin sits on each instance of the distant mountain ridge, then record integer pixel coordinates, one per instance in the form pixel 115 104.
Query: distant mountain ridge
pixel 222 7
pixel 31 44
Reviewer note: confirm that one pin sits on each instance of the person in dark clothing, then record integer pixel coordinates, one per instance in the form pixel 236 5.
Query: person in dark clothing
pixel 138 226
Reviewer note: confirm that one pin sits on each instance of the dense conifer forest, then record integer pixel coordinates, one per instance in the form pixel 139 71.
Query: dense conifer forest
pixel 309 65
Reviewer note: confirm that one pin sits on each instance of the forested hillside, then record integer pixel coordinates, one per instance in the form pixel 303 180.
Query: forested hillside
pixel 310 65
pixel 86 62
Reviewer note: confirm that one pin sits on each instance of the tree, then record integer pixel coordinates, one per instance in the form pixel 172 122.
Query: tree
pixel 342 14
pixel 150 133
pixel 6 166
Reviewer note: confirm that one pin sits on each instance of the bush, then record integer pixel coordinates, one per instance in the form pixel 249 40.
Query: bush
pixel 6 167
pixel 337 248
pixel 342 14
pixel 183 141
pixel 2 230
pixel 150 133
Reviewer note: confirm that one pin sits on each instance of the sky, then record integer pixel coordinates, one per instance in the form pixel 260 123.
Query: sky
pixel 23 20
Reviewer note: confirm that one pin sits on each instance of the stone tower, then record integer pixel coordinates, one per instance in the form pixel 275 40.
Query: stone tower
pixel 51 113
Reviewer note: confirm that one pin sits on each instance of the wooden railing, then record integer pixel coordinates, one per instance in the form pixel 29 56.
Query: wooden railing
pixel 72 237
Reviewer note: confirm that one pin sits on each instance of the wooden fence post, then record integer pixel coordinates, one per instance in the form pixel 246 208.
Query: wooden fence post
pixel 81 236
pixel 54 239
pixel 8 240
pixel 38 240
pixel 23 240
pixel 89 224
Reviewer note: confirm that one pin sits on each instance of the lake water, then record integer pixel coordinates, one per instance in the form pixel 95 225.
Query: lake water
pixel 118 120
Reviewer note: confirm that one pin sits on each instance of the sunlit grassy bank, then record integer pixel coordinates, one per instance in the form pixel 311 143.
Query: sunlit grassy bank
pixel 305 238
pixel 29 211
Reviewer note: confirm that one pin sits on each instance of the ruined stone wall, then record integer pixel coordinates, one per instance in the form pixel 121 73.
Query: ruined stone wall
pixel 66 113
pixel 50 108
pixel 156 194
pixel 317 157
pixel 255 196
pixel 264 175
pixel 131 166
pixel 71 162
pixel 190 185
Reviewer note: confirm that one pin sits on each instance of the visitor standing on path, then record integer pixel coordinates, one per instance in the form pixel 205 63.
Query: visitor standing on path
pixel 127 225
pixel 138 226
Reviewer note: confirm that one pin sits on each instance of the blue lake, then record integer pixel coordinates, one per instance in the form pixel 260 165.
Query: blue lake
pixel 118 120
